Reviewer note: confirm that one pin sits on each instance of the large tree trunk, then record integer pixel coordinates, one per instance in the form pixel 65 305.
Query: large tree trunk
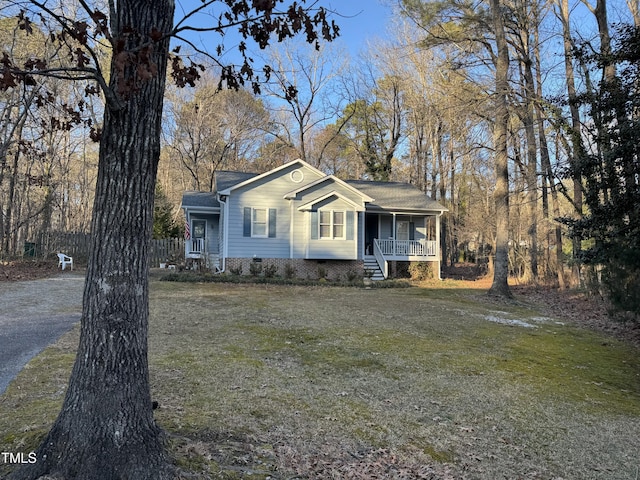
pixel 500 285
pixel 531 174
pixel 575 131
pixel 545 163
pixel 106 427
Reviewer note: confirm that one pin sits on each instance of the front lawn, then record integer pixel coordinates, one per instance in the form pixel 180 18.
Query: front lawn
pixel 284 382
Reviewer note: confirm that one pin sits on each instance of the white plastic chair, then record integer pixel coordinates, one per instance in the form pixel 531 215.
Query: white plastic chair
pixel 64 260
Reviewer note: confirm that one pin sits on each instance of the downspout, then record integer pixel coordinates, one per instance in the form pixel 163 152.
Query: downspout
pixel 225 224
pixel 438 245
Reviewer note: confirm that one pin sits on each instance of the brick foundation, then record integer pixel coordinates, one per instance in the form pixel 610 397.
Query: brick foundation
pixel 297 268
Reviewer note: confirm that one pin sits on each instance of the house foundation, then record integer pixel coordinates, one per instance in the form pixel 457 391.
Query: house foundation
pixel 338 270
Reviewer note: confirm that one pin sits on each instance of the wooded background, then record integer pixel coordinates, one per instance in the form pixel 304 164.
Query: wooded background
pixel 418 105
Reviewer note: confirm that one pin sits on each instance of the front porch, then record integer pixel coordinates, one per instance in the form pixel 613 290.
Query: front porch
pixel 390 250
pixel 400 236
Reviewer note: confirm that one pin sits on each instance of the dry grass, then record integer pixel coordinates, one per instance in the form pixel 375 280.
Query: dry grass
pixel 327 382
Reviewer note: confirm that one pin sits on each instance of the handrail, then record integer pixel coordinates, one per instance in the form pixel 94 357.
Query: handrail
pixel 407 248
pixel 382 263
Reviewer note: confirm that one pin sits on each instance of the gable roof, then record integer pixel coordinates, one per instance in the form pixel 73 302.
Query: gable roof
pixel 255 177
pixel 200 200
pixel 309 205
pixel 327 178
pixel 226 179
pixel 382 196
pixel 396 196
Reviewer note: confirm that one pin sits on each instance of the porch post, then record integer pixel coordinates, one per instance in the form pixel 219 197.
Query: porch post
pixel 438 246
pixel 394 233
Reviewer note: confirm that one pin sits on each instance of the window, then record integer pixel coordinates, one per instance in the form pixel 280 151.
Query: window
pixel 331 224
pixel 325 224
pixel 338 224
pixel 259 222
pixel 199 228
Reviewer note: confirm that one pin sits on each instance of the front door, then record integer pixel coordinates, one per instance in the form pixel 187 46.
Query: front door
pixel 199 232
pixel 370 232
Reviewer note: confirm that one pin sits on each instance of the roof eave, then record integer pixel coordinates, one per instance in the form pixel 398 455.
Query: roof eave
pixel 405 210
pixel 200 209
pixel 227 191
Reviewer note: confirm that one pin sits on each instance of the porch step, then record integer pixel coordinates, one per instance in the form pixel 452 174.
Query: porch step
pixel 371 267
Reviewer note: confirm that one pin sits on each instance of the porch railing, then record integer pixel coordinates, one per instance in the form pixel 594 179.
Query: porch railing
pixel 195 246
pixel 382 263
pixel 407 248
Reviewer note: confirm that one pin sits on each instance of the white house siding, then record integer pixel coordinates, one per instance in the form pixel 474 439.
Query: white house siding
pixel 334 249
pixel 267 192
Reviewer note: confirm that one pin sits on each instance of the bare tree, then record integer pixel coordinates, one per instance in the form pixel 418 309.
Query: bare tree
pixel 213 130
pixel 302 97
pixel 106 428
pixel 500 285
pixel 479 43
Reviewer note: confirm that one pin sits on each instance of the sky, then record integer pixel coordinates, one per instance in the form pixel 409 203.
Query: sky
pixel 363 20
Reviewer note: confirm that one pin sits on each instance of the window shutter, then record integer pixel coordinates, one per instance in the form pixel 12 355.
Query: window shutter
pixel 350 224
pixel 272 222
pixel 412 231
pixel 314 225
pixel 246 230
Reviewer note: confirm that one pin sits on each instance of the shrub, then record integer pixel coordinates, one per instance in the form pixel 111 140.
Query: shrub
pixel 322 272
pixel 352 276
pixel 255 269
pixel 420 271
pixel 236 270
pixel 289 271
pixel 270 271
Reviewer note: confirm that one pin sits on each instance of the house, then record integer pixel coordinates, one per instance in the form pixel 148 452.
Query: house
pixel 306 223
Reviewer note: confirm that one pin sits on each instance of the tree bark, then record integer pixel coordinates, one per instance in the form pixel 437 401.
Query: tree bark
pixel 577 148
pixel 106 427
pixel 531 267
pixel 634 8
pixel 545 163
pixel 500 285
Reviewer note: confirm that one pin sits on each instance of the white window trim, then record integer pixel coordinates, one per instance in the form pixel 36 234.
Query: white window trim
pixel 266 222
pixel 332 225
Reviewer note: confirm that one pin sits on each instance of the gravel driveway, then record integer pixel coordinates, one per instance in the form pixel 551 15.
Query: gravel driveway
pixel 34 314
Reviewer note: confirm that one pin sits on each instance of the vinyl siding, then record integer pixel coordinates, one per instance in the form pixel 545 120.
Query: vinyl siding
pixel 333 248
pixel 268 193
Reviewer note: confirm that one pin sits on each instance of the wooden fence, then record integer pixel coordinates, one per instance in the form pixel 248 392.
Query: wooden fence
pixel 170 250
pixel 76 245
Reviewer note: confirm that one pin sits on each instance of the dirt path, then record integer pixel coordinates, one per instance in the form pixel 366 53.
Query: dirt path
pixel 33 314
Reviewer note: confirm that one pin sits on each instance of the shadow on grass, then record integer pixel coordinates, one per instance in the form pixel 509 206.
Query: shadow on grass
pixel 296 381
